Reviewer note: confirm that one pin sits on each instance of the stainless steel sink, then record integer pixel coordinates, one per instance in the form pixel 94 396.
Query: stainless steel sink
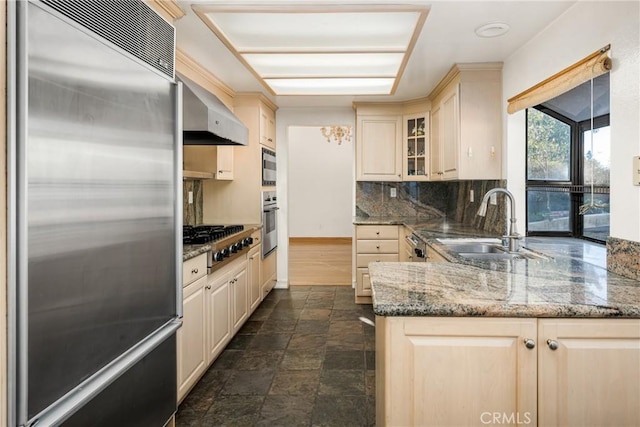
pixel 487 249
pixel 476 248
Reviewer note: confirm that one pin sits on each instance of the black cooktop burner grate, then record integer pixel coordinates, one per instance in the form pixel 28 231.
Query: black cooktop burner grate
pixel 201 234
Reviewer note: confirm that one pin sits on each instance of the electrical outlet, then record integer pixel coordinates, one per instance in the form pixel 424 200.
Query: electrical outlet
pixel 471 196
pixel 493 199
pixel 190 197
pixel 393 192
pixel 636 170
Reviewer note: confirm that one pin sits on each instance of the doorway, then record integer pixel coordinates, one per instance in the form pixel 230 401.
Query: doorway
pixel 320 204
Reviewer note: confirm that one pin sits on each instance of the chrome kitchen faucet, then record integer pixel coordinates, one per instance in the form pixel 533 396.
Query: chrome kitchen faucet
pixel 513 235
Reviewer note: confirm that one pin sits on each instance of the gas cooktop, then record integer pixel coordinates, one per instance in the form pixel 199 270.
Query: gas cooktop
pixel 201 234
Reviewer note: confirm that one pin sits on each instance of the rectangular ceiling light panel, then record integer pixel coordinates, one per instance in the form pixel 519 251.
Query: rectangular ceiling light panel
pixel 278 65
pixel 356 86
pixel 303 32
pixel 318 51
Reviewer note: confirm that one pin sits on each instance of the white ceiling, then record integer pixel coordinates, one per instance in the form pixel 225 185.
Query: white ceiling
pixel 447 37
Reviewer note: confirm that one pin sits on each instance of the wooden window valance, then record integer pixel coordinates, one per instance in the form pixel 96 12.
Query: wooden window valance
pixel 582 71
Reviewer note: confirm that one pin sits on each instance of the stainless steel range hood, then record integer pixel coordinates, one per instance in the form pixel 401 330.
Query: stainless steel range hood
pixel 206 120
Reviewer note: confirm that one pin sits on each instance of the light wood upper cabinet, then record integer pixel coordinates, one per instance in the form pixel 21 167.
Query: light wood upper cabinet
pixel 593 375
pixel 415 147
pixel 379 148
pixel 224 163
pixel 450 127
pixel 217 160
pixel 466 123
pixel 267 128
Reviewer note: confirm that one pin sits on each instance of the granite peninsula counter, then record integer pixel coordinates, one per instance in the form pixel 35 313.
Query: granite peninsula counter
pixel 466 341
pixel 570 283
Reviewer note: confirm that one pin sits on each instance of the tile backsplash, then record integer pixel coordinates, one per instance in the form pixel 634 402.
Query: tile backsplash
pixel 192 212
pixel 449 199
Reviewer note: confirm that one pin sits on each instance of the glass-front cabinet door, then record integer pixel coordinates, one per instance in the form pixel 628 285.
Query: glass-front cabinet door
pixel 416 147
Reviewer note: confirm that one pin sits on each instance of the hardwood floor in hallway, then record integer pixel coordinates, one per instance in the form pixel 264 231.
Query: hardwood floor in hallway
pixel 302 359
pixel 319 261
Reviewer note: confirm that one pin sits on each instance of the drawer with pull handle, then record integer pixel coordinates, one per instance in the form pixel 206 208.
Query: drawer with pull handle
pixel 374 232
pixel 363 260
pixel 193 269
pixel 377 246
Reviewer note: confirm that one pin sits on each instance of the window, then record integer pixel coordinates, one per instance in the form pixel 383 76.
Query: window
pixel 568 164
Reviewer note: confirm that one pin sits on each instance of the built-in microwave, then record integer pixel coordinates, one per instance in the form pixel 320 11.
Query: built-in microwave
pixel 268 167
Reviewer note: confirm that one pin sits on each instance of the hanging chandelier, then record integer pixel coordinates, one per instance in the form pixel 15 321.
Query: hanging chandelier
pixel 338 133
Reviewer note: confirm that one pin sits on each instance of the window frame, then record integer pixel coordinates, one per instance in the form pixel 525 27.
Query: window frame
pixel 576 174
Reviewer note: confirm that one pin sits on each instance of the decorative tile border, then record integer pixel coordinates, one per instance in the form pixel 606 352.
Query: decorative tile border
pixel 623 257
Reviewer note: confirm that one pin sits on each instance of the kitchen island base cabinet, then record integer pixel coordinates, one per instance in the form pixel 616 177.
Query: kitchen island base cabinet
pixel 593 376
pixel 450 371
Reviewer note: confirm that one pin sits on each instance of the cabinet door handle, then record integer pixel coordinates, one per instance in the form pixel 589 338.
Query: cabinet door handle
pixel 208 287
pixel 553 345
pixel 377 246
pixel 529 343
pixel 194 271
pixel 377 233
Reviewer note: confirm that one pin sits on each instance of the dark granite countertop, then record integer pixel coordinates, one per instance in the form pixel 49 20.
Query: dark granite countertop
pixel 572 281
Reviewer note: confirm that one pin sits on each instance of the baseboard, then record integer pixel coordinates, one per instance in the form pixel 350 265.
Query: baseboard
pixel 320 240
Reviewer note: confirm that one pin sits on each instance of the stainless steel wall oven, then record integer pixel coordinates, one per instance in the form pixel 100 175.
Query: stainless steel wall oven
pixel 268 167
pixel 269 222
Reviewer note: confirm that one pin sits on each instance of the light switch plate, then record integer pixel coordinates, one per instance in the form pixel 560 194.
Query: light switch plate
pixel 636 170
pixel 190 197
pixel 393 192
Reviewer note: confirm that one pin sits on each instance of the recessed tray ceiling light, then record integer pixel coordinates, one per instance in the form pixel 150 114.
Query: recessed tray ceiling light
pixel 303 50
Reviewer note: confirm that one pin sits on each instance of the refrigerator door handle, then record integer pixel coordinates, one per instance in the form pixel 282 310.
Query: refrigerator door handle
pixel 178 204
pixel 92 386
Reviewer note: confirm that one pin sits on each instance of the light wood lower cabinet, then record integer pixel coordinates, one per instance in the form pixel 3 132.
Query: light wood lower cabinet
pixel 268 272
pixel 214 308
pixel 218 316
pixel 240 296
pixel 374 243
pixel 253 275
pixel 191 337
pixel 434 371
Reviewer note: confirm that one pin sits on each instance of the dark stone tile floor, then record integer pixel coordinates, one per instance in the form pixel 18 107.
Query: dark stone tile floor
pixel 302 359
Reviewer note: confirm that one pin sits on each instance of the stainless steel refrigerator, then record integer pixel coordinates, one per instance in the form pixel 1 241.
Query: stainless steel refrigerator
pixel 95 252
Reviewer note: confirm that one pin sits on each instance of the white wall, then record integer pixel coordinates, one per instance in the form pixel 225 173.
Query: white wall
pixel 286 118
pixel 320 191
pixel 582 29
